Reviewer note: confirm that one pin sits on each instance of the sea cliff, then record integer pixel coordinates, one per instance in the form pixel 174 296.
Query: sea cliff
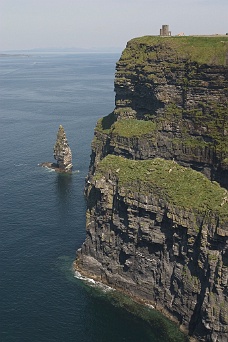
pixel 157 200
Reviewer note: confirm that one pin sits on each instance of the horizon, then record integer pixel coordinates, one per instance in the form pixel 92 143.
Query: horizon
pixel 102 24
pixel 66 49
pixel 108 49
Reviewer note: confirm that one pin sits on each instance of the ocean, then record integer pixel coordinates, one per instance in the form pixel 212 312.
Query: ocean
pixel 42 213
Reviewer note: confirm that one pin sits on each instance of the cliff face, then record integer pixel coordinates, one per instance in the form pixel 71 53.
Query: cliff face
pixel 156 228
pixel 181 86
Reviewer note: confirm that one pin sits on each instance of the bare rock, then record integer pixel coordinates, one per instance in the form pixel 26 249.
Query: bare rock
pixel 171 103
pixel 62 151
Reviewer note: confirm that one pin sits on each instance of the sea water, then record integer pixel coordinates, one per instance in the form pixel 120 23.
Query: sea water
pixel 42 213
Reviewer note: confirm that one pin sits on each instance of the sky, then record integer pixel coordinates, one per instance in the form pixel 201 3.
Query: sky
pixel 102 24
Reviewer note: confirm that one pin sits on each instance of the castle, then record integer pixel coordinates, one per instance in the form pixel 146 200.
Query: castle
pixel 164 31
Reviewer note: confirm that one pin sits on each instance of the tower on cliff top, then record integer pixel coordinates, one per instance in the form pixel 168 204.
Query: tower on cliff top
pixel 164 31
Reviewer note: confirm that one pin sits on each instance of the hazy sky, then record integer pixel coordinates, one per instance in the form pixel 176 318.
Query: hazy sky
pixel 27 24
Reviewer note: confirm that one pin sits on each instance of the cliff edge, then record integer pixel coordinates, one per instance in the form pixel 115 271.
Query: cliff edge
pixel 157 200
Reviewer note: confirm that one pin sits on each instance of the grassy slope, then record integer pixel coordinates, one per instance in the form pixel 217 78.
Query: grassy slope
pixel 179 186
pixel 203 50
pixel 125 128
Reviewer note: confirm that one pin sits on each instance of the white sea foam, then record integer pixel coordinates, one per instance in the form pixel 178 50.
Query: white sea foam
pixel 49 169
pixel 93 283
pixel 18 165
pixel 150 306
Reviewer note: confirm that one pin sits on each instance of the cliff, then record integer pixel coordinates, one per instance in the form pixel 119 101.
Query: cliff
pixel 157 228
pixel 176 88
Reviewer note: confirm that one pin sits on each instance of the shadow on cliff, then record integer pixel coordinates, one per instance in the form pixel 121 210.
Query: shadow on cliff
pixel 108 120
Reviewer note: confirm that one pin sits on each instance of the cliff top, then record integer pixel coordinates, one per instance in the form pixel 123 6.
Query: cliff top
pixel 211 50
pixel 166 179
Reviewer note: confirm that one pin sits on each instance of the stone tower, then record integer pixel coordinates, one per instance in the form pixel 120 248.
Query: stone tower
pixel 164 31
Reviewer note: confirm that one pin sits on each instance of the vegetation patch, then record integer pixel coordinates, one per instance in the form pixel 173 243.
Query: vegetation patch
pixel 126 127
pixel 211 50
pixel 196 142
pixel 172 111
pixel 214 117
pixel 133 128
pixel 177 185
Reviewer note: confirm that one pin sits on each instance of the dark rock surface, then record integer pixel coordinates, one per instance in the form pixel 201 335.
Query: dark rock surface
pixel 159 81
pixel 171 257
pixel 161 233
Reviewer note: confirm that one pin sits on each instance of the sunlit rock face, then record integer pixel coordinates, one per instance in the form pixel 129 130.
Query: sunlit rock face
pixel 157 187
pixel 62 151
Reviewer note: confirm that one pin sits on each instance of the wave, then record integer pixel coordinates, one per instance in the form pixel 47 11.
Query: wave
pixel 18 165
pixel 91 282
pixel 46 167
pixel 51 169
pixel 76 171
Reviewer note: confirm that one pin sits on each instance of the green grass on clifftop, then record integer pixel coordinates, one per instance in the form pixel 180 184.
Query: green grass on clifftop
pixel 125 128
pixel 133 127
pixel 201 49
pixel 177 185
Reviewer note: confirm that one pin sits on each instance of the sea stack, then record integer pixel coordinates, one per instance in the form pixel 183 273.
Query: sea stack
pixel 62 152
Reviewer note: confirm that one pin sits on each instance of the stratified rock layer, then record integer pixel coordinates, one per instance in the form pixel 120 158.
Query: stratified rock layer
pixel 62 151
pixel 180 85
pixel 157 229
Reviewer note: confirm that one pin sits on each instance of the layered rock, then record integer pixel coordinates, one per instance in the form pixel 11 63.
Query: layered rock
pixel 159 232
pixel 180 84
pixel 156 228
pixel 62 152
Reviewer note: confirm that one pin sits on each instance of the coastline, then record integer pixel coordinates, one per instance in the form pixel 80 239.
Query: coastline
pixel 54 166
pixel 92 278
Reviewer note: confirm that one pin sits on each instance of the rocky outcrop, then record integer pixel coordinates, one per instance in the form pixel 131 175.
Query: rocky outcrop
pixel 62 152
pixel 156 228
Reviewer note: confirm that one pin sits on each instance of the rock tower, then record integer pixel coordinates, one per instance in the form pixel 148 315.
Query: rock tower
pixel 62 151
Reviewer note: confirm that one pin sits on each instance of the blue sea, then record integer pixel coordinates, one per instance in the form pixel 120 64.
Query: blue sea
pixel 42 213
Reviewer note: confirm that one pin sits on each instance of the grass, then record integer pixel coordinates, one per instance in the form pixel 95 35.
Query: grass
pixel 133 128
pixel 126 127
pixel 179 186
pixel 203 50
pixel 196 142
pixel 215 117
